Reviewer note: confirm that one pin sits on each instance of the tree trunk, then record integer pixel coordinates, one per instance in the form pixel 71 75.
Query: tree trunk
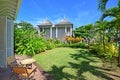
pixel 104 41
pixel 100 37
pixel 119 48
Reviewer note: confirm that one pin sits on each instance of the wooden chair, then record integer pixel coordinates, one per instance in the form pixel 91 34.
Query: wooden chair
pixel 12 61
pixel 24 72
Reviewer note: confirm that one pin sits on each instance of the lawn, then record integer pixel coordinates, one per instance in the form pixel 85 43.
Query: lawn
pixel 71 64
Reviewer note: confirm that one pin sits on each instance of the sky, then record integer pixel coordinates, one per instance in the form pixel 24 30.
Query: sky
pixel 78 12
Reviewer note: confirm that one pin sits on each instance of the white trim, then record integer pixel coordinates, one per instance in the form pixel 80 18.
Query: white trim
pixel 65 29
pixel 6 42
pixel 18 7
pixel 56 32
pixel 38 29
pixel 50 32
pixel 71 31
pixel 43 29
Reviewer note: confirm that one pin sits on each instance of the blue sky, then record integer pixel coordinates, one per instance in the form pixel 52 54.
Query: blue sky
pixel 79 12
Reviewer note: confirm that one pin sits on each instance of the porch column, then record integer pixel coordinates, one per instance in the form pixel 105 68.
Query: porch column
pixel 56 33
pixel 43 29
pixel 38 29
pixel 50 32
pixel 65 29
pixel 71 31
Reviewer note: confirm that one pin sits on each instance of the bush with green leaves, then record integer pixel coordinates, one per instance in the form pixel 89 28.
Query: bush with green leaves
pixel 76 45
pixel 109 51
pixel 27 40
pixel 50 44
pixel 29 43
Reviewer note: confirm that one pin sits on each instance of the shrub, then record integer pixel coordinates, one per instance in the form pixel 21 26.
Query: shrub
pixel 70 39
pixel 110 51
pixel 29 43
pixel 76 45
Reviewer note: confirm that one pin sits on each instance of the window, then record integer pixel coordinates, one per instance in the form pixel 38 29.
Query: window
pixel 41 29
pixel 68 29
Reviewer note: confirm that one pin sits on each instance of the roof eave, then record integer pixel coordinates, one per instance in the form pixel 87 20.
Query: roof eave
pixel 17 9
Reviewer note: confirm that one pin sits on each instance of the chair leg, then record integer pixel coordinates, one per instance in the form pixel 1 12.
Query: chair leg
pixel 13 77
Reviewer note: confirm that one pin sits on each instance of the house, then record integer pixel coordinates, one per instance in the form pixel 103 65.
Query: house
pixel 57 31
pixel 8 13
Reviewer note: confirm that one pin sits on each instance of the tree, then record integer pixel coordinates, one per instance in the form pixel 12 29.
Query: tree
pixel 114 12
pixel 85 31
pixel 26 26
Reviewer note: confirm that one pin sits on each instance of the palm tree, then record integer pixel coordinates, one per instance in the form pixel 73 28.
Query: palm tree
pixel 114 12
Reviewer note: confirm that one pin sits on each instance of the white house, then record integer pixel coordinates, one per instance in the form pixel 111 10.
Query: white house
pixel 8 13
pixel 57 31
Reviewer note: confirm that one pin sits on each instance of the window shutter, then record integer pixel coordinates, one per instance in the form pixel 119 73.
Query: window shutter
pixel 10 47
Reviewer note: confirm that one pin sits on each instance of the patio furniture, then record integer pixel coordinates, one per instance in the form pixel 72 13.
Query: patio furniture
pixel 12 61
pixel 27 62
pixel 24 73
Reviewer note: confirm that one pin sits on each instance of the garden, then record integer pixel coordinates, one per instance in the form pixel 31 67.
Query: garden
pixel 93 53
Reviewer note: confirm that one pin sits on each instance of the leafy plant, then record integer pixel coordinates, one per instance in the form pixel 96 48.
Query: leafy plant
pixel 110 51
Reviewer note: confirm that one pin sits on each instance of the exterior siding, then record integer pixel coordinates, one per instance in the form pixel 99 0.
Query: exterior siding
pixel 61 33
pixel 47 32
pixel 9 46
pixel 54 33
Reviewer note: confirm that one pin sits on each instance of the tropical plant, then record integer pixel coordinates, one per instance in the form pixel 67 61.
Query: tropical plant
pixel 114 12
pixel 27 41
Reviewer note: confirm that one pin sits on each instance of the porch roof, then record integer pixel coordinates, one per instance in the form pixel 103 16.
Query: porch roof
pixel 9 8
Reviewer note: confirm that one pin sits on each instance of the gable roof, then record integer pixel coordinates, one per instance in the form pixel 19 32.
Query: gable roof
pixel 46 22
pixel 9 8
pixel 64 21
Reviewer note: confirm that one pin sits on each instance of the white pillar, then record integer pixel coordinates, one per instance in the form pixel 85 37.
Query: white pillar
pixel 50 32
pixel 71 31
pixel 43 29
pixel 56 33
pixel 65 31
pixel 38 29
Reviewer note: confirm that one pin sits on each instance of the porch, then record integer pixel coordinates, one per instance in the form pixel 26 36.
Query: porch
pixel 40 74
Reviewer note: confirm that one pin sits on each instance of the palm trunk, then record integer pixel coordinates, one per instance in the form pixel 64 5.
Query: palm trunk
pixel 104 41
pixel 119 47
pixel 100 37
pixel 116 37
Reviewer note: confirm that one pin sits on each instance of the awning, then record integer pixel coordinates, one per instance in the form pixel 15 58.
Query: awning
pixel 9 8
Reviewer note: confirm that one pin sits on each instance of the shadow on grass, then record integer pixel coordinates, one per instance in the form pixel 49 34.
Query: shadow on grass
pixel 85 66
pixel 83 54
pixel 58 73
pixel 81 67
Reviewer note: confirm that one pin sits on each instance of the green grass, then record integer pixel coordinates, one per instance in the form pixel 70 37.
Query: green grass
pixel 71 64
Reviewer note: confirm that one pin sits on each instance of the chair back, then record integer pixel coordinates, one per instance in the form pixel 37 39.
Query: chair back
pixel 10 59
pixel 19 70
